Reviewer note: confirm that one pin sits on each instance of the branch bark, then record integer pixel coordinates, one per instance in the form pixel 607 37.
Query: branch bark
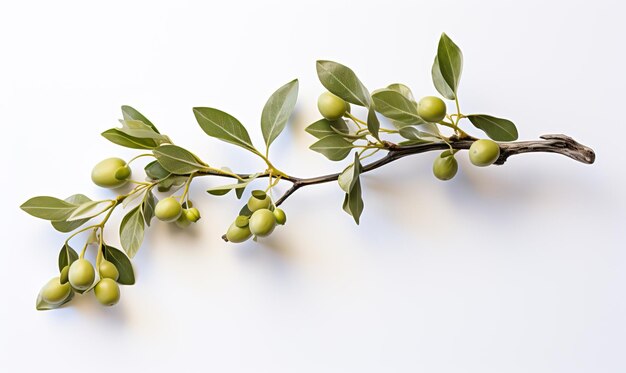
pixel 559 144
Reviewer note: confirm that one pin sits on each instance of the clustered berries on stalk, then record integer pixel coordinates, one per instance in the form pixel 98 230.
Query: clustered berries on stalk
pixel 416 127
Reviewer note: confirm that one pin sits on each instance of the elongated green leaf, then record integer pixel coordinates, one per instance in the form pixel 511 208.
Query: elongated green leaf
pixel 48 208
pixel 334 147
pixel 393 105
pixel 403 90
pixel 172 183
pixel 450 61
pixel 68 226
pixel 155 171
pixel 147 207
pixel 373 125
pixel 132 230
pixel 353 201
pixel 177 160
pixel 118 137
pixel 90 209
pixel 324 127
pixel 121 262
pixel 223 189
pixel 496 128
pixel 42 305
pixel 343 82
pixel 67 256
pixel 440 84
pixel 345 178
pixel 277 111
pixel 140 130
pixel 130 113
pixel 412 133
pixel 223 126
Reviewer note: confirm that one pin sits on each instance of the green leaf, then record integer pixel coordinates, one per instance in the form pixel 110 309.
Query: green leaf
pixel 223 189
pixel 123 264
pixel 373 125
pixel 147 207
pixel 178 160
pixel 440 84
pixel 88 210
pixel 345 178
pixel 403 90
pixel 393 105
pixel 42 305
pixel 353 201
pixel 140 130
pixel 277 111
pixel 496 128
pixel 68 226
pixel 450 61
pixel 67 256
pixel 223 126
pixel 324 127
pixel 343 82
pixel 174 181
pixel 48 208
pixel 132 230
pixel 130 113
pixel 334 147
pixel 155 171
pixel 116 136
pixel 412 133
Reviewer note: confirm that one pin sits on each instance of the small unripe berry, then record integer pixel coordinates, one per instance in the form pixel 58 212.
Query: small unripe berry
pixel 192 214
pixel 262 222
pixel 81 274
pixel 111 173
pixel 182 221
pixel 168 209
pixel 54 292
pixel 332 107
pixel 237 234
pixel 484 152
pixel 108 270
pixel 444 168
pixel 107 292
pixel 432 109
pixel 259 200
pixel 281 217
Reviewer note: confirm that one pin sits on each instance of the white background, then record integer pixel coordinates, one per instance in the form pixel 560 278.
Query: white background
pixel 517 268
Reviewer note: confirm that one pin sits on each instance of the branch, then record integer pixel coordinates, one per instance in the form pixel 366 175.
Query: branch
pixel 559 144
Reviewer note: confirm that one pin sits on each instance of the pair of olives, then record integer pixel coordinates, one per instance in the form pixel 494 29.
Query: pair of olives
pixel 171 210
pixel 80 275
pixel 430 108
pixel 111 173
pixel 260 223
pixel 482 153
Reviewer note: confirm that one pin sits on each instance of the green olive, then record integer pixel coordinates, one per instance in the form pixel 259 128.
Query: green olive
pixel 445 168
pixel 54 292
pixel 484 152
pixel 182 221
pixel 81 274
pixel 108 270
pixel 259 200
pixel 111 173
pixel 192 214
pixel 236 234
pixel 168 209
pixel 107 292
pixel 262 222
pixel 64 274
pixel 332 107
pixel 281 217
pixel 432 109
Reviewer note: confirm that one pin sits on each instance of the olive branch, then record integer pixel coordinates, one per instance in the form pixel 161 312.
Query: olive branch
pixel 416 127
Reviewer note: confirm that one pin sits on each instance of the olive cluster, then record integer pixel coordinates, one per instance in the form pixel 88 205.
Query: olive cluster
pixel 81 276
pixel 482 153
pixel 257 218
pixel 172 211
